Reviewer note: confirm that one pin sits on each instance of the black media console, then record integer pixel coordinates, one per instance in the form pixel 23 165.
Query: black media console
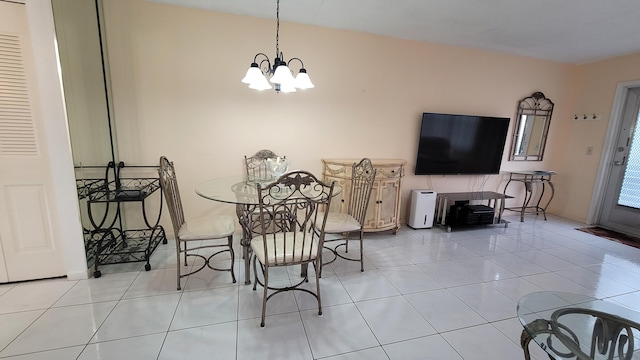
pixel 465 208
pixel 461 213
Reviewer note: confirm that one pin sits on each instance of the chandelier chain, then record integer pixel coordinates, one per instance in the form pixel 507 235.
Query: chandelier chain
pixel 277 28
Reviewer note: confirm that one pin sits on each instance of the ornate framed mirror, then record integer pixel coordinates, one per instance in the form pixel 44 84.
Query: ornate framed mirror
pixel 531 128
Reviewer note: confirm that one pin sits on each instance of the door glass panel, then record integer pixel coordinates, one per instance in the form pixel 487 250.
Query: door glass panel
pixel 630 192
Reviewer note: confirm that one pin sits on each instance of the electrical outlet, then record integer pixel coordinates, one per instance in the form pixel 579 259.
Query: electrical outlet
pixel 589 150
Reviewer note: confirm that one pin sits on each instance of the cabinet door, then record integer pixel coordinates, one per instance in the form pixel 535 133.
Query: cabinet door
pixel 371 219
pixel 339 202
pixel 388 208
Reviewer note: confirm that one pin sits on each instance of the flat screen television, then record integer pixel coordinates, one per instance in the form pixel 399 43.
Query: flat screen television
pixel 460 144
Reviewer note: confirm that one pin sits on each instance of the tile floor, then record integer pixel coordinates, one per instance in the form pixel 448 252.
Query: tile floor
pixel 425 294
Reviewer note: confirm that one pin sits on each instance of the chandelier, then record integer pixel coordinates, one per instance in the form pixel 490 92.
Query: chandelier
pixel 279 71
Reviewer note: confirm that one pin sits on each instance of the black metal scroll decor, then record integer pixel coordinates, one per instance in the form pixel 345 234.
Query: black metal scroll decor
pixel 612 336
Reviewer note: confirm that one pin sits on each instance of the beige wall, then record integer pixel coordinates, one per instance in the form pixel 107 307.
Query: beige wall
pixel 176 83
pixel 594 94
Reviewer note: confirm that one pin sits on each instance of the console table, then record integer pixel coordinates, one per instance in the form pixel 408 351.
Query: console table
pixel 531 180
pixel 494 200
pixel 383 212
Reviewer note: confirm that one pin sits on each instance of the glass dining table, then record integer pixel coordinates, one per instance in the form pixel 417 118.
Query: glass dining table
pixel 236 190
pixel 574 326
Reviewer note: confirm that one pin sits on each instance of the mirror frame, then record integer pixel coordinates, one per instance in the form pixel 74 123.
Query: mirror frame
pixel 536 105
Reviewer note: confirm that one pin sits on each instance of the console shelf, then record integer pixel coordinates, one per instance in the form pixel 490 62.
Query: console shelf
pixel 454 209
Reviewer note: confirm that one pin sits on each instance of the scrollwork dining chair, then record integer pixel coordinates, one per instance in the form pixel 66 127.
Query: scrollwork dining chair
pixel 256 166
pixel 287 236
pixel 190 232
pixel 351 222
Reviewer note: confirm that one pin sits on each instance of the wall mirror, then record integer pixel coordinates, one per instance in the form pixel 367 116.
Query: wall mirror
pixel 83 61
pixel 531 128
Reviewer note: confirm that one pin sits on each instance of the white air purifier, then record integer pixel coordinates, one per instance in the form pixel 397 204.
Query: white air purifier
pixel 423 205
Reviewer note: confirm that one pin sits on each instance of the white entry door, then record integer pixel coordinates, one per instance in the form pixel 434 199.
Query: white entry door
pixel 28 247
pixel 621 203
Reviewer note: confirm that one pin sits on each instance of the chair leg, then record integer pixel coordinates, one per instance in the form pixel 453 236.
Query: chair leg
pixel 318 288
pixel 346 242
pixel 255 274
pixel 185 254
pixel 361 252
pixel 233 257
pixel 264 295
pixel 318 268
pixel 178 270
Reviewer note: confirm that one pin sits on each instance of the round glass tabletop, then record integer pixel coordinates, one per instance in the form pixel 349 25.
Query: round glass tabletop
pixel 235 190
pixel 570 326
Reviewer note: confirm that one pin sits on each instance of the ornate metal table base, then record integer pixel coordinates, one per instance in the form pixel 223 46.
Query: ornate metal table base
pixel 612 336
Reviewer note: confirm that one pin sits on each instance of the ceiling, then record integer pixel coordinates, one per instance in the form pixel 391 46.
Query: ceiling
pixel 567 31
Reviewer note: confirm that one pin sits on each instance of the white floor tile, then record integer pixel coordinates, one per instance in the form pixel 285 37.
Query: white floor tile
pixel 512 329
pixel 602 286
pixel 376 353
pixel 444 311
pixel 426 348
pixel 214 341
pixel 482 342
pixel 13 324
pixel 486 301
pixel 450 274
pixel 516 264
pixel 407 322
pixel 250 301
pixel 6 287
pixel 206 307
pixel 367 285
pixel 154 282
pixel 484 269
pixel 283 337
pixel 515 288
pixel 139 316
pixel 135 348
pixel 332 292
pixel 340 329
pixel 107 288
pixel 34 295
pixel 545 259
pixel 61 327
pixel 58 354
pixel 410 279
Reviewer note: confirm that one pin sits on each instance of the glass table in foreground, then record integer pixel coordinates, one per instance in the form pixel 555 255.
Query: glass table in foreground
pixel 573 326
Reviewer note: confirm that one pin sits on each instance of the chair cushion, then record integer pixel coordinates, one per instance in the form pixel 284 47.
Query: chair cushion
pixel 339 223
pixel 207 227
pixel 294 254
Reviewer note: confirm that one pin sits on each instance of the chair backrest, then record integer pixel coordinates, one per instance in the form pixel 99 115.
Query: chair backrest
pixel 169 185
pixel 256 166
pixel 362 178
pixel 288 212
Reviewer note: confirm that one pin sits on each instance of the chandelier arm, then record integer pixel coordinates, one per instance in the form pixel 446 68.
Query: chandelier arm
pixel 295 58
pixel 266 68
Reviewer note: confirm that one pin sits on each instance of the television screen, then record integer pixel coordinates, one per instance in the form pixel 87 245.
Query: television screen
pixel 460 144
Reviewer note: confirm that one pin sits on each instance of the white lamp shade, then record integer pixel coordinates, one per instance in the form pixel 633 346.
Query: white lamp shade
pixel 260 83
pixel 282 75
pixel 287 88
pixel 252 75
pixel 303 81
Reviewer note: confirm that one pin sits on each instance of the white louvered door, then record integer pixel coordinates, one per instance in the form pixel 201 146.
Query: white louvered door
pixel 28 248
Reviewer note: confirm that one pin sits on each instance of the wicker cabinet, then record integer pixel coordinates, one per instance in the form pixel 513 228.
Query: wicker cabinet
pixel 383 212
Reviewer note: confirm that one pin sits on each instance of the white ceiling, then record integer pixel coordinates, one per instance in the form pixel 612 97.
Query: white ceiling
pixel 568 31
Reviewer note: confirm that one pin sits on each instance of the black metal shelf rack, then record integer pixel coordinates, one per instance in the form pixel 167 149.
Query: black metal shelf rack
pixel 107 239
